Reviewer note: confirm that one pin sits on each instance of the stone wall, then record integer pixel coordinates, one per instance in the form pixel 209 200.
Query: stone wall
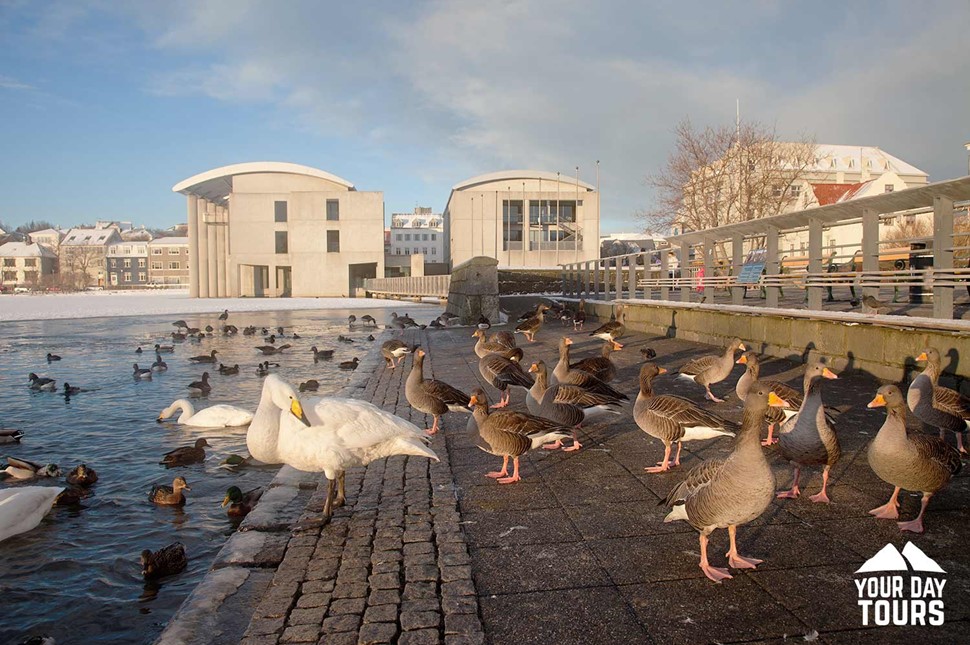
pixel 474 290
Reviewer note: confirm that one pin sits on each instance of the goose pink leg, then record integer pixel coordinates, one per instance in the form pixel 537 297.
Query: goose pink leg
pixel 506 397
pixel 822 496
pixel 794 491
pixel 500 473
pixel 515 473
pixel 576 445
pixel 714 573
pixel 771 436
pixel 434 426
pixel 735 559
pixel 662 466
pixel 916 526
pixel 711 396
pixel 889 510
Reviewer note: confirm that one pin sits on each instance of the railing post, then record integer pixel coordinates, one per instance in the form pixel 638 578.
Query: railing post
pixel 596 279
pixel 664 275
pixel 685 284
pixel 870 248
pixel 631 278
pixel 709 270
pixel 737 259
pixel 586 277
pixel 815 261
pixel 772 266
pixel 618 262
pixel 562 280
pixel 942 256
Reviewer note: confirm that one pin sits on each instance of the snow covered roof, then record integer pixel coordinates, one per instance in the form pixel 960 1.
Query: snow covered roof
pixel 169 241
pixel 48 231
pixel 90 236
pixel 24 250
pixel 835 157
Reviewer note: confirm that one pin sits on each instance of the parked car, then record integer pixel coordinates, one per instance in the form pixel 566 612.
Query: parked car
pixel 95 288
pixel 21 289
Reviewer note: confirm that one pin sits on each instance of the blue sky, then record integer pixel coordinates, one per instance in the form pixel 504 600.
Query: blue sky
pixel 104 105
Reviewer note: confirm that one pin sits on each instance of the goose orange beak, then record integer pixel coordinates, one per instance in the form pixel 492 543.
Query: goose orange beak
pixel 827 373
pixel 922 356
pixel 743 360
pixel 533 368
pixel 662 370
pixel 472 401
pixel 617 345
pixel 878 402
pixel 776 401
pixel 569 341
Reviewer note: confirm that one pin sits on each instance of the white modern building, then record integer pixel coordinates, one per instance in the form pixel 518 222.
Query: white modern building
pixel 421 233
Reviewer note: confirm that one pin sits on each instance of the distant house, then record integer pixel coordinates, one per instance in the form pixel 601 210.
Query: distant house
pixel 168 261
pixel 127 264
pixel 23 264
pixel 48 237
pixel 83 253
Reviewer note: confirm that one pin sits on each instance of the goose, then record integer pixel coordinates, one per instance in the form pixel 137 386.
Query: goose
pixel 164 349
pixel 936 405
pixel 175 336
pixel 509 434
pixel 311 385
pixel 164 562
pixel 395 349
pixel 269 350
pixel 808 438
pixel 321 354
pixel 185 455
pixel 432 397
pixel 673 419
pixel 23 507
pixel 579 318
pixel 82 476
pixel 8 435
pixel 911 461
pixel 169 495
pixel 215 416
pixel 613 329
pixel 503 373
pixel 531 326
pixel 225 370
pixel 563 374
pixel 708 370
pixel 505 338
pixel 600 366
pixel 141 373
pixel 351 321
pixel 345 433
pixel 52 357
pixel 180 324
pixel 350 365
pixel 731 491
pixel 369 320
pixel 873 306
pixel 159 365
pixel 23 469
pixel 232 330
pixel 224 315
pixel 240 503
pixel 775 415
pixel 566 403
pixel 202 386
pixel 205 358
pixel 41 383
pixel 484 347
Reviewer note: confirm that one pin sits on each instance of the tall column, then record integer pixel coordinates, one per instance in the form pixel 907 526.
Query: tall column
pixel 618 278
pixel 212 256
pixel 870 249
pixel 942 256
pixel 193 219
pixel 631 277
pixel 664 275
pixel 221 252
pixel 709 270
pixel 526 227
pixel 737 261
pixel 815 262
pixel 596 279
pixel 772 266
pixel 685 283
pixel 203 262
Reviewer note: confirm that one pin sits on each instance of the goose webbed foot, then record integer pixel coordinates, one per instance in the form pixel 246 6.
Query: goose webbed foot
pixel 793 493
pixel 553 446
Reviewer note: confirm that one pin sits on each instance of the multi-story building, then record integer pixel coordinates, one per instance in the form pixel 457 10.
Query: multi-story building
pixel 168 261
pixel 48 237
pixel 127 265
pixel 24 264
pixel 83 252
pixel 419 233
pixel 280 229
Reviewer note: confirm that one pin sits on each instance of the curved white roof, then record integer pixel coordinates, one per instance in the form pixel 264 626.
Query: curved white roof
pixel 505 175
pixel 215 184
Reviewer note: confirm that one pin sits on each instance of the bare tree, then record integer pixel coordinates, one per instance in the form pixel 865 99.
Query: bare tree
pixel 78 264
pixel 905 231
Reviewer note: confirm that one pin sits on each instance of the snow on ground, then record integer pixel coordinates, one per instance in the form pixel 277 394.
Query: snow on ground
pixel 97 304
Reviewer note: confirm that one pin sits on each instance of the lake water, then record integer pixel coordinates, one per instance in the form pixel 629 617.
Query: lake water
pixel 77 576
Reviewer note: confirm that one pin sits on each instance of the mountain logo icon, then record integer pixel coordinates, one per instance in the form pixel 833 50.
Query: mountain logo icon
pixel 890 559
pixel 901 588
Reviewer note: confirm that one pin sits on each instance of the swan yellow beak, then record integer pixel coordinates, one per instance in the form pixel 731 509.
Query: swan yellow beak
pixel 921 357
pixel 743 360
pixel 827 373
pixel 225 501
pixel 878 402
pixel 297 411
pixel 776 401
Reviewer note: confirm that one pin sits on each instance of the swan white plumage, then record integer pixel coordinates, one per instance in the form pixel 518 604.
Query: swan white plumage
pixel 22 508
pixel 278 400
pixel 216 416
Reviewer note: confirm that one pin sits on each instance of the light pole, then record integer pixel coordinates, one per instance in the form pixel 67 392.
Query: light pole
pixel 967 146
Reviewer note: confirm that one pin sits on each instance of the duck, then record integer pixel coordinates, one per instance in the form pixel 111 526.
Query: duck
pixel 224 315
pixel 432 396
pixel 215 416
pixel 166 561
pixel 808 438
pixel 614 328
pixel 484 347
pixel 370 337
pixel 159 365
pixel 873 306
pixel 185 455
pixel 23 469
pixel 648 353
pixel 234 461
pixel 70 496
pixel 209 329
pixel 262 369
pixel 728 492
pixel 82 476
pixel 673 419
pixel 910 461
pixel 510 435
pixel 180 324
pixel 169 495
pixel 270 350
pixel 41 383
pixel 225 370
pixel 240 503
pixel 321 354
pixel 138 350
pixel 563 374
pixel 936 405
pixel 579 318
pixel 483 322
pixel 776 415
pixel 9 435
pixel 344 339
pixel 503 374
pixel 249 331
pixel 23 507
pixel 71 390
pixel 201 386
pixel 311 385
pixel 350 365
pixel 351 321
pixel 345 433
pixel 711 369
pixel 141 372
pixel 175 336
pixel 436 324
pixel 367 319
pixel 52 357
pixel 600 366
pixel 164 349
pixel 395 350
pixel 205 358
pixel 531 326
pixel 565 317
pixel 193 331
pixel 232 330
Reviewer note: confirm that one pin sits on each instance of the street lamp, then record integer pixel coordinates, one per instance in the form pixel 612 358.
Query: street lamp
pixel 967 146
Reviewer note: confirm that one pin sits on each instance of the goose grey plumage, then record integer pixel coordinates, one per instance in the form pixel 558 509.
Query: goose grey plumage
pixel 614 328
pixel 431 396
pixel 731 491
pixel 775 415
pixel 911 461
pixel 269 350
pixel 579 318
pixel 503 373
pixel 484 347
pixel 205 358
pixel 563 374
pixel 936 405
pixel 201 386
pixel 141 372
pixel 531 326
pixel 708 370
pixel 600 366
pixel 505 338
pixel 673 419
pixel 395 349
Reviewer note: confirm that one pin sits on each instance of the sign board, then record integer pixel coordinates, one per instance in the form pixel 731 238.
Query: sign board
pixel 753 266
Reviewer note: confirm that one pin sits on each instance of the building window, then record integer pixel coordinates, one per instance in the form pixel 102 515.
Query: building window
pixel 114 279
pixel 889 188
pixel 434 236
pixel 174 266
pixel 407 251
pixel 333 241
pixel 156 266
pixel 156 251
pixel 9 262
pixel 424 250
pixel 30 262
pixel 282 245
pixel 424 236
pixel 142 276
pixel 407 237
pixel 126 250
pixel 795 190
pixel 279 212
pixel 127 277
pixel 776 191
pixel 397 251
pixel 398 237
pixel 434 251
pixel 127 263
pixel 141 263
pixel 333 210
pixel 415 251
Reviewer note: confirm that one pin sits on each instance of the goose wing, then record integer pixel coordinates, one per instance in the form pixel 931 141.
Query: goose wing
pixel 503 372
pixel 699 365
pixel 951 402
pixel 684 413
pixel 447 394
pixel 503 338
pixel 933 449
pixel 583 398
pixel 699 478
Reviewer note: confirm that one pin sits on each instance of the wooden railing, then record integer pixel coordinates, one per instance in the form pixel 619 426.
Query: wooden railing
pixel 417 287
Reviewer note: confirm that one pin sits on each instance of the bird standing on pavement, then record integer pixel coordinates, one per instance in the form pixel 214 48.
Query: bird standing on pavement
pixel 708 370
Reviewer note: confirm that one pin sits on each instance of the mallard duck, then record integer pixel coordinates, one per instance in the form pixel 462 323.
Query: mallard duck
pixel 600 366
pixel 70 496
pixel 215 416
pixel 673 419
pixel 159 365
pixel 8 435
pixel 169 495
pixel 209 329
pixel 249 331
pixel 708 370
pixel 201 386
pixel 432 397
pixel 234 461
pixel 262 369
pixel 42 639
pixel 936 405
pixel 205 358
pixel 164 562
pixel 164 349
pixel 321 354
pixel 23 469
pixel 41 383
pixel 138 350
pixel 395 349
pixel 240 503
pixel 226 370
pixel 52 357
pixel 175 336
pixel 531 326
pixel 776 415
pixel 808 438
pixel 563 374
pixel 232 330
pixel 509 434
pixel 23 507
pixel 185 455
pixel 731 491
pixel 141 373
pixel 224 315
pixel 370 337
pixel 311 385
pixel 350 365
pixel 911 461
pixel 614 328
pixel 648 353
pixel 503 373
pixel 82 476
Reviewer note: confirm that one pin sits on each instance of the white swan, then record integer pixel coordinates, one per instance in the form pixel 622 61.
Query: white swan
pixel 216 416
pixel 22 508
pixel 278 400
